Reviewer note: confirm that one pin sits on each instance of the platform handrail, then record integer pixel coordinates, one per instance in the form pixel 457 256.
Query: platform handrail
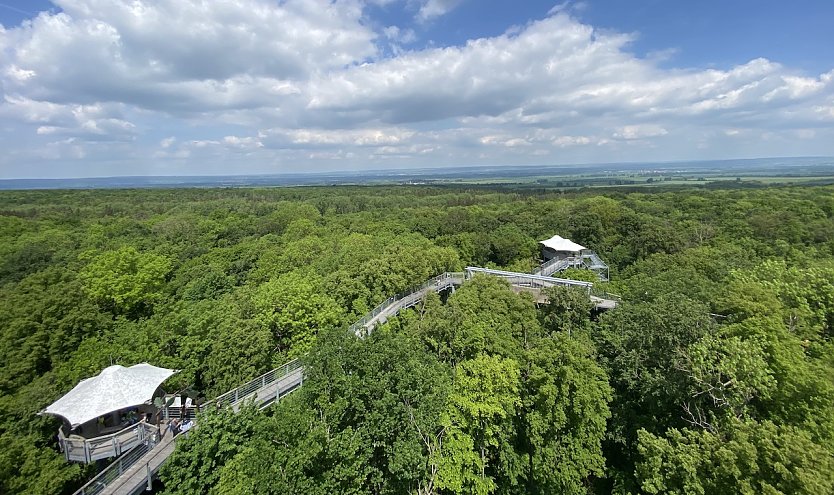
pixel 239 393
pixel 435 283
pixel 110 445
pixel 535 280
pixel 556 265
pixel 122 464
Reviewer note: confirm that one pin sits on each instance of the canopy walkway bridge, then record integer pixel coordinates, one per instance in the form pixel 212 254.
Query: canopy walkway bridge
pixel 587 260
pixel 135 470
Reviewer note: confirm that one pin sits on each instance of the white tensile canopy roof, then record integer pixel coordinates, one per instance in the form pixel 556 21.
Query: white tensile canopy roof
pixel 116 387
pixel 559 243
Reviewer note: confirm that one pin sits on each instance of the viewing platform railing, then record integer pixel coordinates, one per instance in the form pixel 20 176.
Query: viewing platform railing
pixel 587 259
pixel 119 466
pixel 557 265
pixel 115 444
pixel 247 389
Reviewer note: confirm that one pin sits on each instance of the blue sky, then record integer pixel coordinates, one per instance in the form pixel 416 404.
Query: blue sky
pixel 185 87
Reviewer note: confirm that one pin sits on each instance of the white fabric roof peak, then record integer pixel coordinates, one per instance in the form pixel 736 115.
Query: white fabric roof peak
pixel 559 243
pixel 116 387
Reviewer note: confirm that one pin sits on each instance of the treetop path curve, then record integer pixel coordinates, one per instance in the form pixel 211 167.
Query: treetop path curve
pixel 271 386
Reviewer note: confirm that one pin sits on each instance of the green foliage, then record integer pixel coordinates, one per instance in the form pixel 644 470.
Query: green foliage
pixel 125 281
pixel 567 310
pixel 641 347
pixel 509 243
pixel 26 467
pixel 564 401
pixel 294 310
pixel 747 458
pixel 482 316
pixel 725 374
pixel 578 274
pixel 721 350
pixel 195 466
pixel 482 404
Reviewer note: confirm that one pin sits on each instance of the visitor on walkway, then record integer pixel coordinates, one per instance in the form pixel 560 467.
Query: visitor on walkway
pixel 186 425
pixel 174 426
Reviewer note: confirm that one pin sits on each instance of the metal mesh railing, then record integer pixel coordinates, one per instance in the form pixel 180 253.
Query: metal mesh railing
pixel 122 464
pixel 556 265
pixel 408 298
pixel 529 280
pixel 601 292
pixel 112 445
pixel 238 394
pixel 596 261
pixel 176 412
pixel 593 262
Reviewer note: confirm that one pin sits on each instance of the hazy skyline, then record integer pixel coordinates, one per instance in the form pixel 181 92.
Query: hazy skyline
pixel 186 87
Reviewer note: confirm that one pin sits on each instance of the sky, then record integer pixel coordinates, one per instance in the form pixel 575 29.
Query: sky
pixel 93 88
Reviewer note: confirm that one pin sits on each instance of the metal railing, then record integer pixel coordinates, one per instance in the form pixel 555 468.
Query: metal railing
pixel 130 458
pixel 407 299
pixel 122 464
pixel 600 292
pixel 556 265
pixel 593 262
pixel 394 304
pixel 242 392
pixel 589 260
pixel 596 261
pixel 176 412
pixel 112 445
pixel 529 280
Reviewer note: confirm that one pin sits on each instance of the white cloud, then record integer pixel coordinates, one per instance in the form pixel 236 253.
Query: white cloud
pixel 294 82
pixel 398 35
pixel 294 138
pixel 629 132
pixel 183 55
pixel 552 72
pixel 93 122
pixel 431 9
pixel 244 144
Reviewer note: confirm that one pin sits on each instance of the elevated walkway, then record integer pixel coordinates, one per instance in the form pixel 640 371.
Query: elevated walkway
pixel 588 260
pixel 135 470
pixel 393 305
pixel 449 280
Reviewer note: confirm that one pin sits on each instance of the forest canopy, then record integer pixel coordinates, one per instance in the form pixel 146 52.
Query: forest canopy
pixel 714 374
